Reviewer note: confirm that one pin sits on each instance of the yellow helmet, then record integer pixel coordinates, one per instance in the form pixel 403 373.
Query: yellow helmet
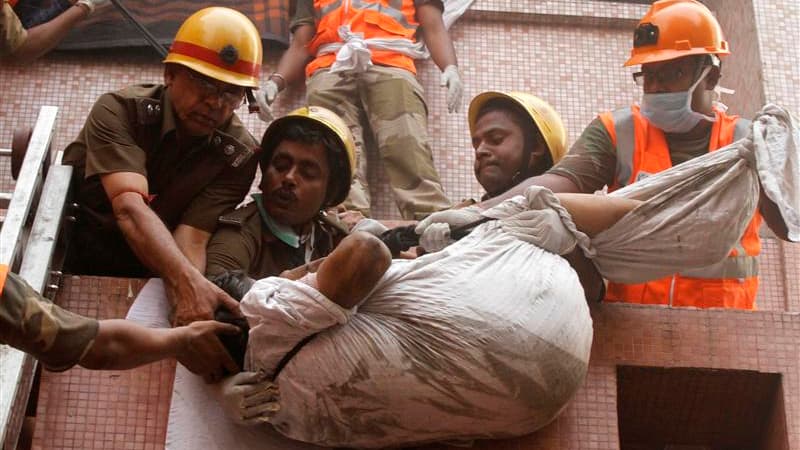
pixel 544 116
pixel 318 115
pixel 676 28
pixel 220 43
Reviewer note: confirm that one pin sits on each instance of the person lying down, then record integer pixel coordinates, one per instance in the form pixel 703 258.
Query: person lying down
pixel 487 338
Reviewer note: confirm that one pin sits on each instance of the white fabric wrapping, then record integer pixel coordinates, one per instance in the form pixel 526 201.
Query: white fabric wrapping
pixel 353 53
pixel 487 338
pixel 695 212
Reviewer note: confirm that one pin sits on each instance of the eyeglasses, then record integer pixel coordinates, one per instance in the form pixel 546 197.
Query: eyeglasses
pixel 230 96
pixel 661 76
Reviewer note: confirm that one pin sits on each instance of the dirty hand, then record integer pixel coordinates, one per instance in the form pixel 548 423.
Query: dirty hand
pixel 200 351
pixel 249 399
pixel 438 236
pixel 542 228
pixel 92 4
pixel 264 100
pixel 455 88
pixel 198 299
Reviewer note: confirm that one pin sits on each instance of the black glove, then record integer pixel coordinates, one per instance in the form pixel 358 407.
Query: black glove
pixel 236 284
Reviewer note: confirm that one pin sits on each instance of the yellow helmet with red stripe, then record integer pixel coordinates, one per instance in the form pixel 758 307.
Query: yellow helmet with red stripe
pixel 220 43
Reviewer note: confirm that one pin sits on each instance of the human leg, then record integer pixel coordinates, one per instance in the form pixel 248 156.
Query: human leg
pixel 339 93
pixel 397 114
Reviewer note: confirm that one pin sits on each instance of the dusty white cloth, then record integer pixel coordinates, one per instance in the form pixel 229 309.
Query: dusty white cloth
pixel 353 53
pixel 695 212
pixel 197 419
pixel 489 337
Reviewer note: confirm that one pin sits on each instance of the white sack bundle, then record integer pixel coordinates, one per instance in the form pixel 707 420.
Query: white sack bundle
pixel 695 212
pixel 488 338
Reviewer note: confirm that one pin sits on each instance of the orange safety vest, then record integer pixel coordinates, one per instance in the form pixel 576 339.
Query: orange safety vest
pixel 732 283
pixel 374 18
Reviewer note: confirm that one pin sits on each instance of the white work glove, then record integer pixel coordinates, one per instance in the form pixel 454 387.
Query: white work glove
pixel 92 4
pixel 434 238
pixel 543 228
pixel 370 226
pixel 249 399
pixel 264 101
pixel 455 88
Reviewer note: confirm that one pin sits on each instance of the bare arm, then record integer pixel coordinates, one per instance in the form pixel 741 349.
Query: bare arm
pixel 194 296
pixel 437 39
pixel 121 344
pixel 42 38
pixel 293 62
pixel 593 214
pixel 192 243
pixel 555 183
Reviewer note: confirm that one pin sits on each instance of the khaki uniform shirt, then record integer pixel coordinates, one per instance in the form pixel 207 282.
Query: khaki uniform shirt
pixel 134 130
pixel 33 324
pixel 243 242
pixel 591 163
pixel 12 34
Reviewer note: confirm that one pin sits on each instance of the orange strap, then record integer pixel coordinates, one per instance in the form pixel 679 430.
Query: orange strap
pixel 3 275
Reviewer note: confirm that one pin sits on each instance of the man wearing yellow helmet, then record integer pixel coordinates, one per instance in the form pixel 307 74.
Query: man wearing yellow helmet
pixel 156 165
pixel 679 44
pixel 307 161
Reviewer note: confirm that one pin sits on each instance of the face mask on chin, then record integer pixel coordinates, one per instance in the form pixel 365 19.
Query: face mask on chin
pixel 672 111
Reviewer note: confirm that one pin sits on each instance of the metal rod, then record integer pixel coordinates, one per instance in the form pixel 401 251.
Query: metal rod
pixel 5 152
pixel 147 35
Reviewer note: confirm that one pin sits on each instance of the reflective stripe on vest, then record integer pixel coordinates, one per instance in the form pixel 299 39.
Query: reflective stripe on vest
pixel 374 19
pixel 642 147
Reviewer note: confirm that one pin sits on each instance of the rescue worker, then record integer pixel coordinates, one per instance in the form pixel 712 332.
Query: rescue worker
pixel 23 42
pixel 156 165
pixel 307 162
pixel 361 63
pixel 516 135
pixel 60 339
pixel 678 44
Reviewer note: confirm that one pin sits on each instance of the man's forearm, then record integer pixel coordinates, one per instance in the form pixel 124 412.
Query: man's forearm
pixel 436 36
pixel 42 38
pixel 121 345
pixel 292 64
pixel 555 183
pixel 150 240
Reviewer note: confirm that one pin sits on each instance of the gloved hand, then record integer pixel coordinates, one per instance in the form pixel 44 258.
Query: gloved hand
pixel 264 100
pixel 249 399
pixel 507 208
pixel 92 4
pixel 438 237
pixel 455 88
pixel 543 228
pixel 370 226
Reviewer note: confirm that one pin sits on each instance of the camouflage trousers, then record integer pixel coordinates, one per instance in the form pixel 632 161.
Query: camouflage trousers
pixel 391 100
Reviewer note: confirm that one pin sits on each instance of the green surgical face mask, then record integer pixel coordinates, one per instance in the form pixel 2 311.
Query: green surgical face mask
pixel 283 232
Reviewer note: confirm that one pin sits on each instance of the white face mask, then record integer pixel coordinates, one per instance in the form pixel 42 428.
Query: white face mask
pixel 672 111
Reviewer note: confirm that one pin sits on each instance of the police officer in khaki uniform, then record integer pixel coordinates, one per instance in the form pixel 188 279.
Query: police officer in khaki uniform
pixel 307 163
pixel 156 165
pixel 43 33
pixel 60 339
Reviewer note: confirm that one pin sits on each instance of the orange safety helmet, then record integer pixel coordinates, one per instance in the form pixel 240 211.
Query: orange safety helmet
pixel 220 43
pixel 676 28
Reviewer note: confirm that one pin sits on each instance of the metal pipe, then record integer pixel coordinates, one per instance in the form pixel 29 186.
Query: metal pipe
pixel 145 33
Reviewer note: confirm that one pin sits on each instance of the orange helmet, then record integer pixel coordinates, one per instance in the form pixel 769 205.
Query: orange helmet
pixel 676 28
pixel 220 43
